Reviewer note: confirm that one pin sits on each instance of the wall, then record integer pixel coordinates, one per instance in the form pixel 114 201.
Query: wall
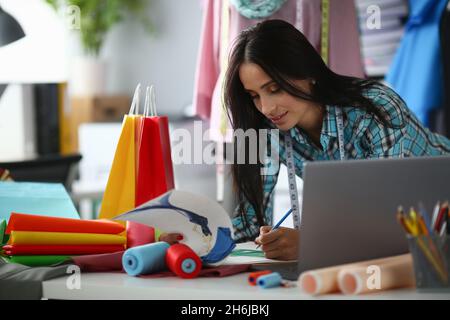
pixel 166 59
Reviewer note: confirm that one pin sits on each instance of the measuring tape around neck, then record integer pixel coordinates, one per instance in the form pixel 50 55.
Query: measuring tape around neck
pixel 340 129
pixel 293 193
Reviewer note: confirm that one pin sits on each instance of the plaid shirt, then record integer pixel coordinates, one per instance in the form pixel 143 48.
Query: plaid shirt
pixel 365 137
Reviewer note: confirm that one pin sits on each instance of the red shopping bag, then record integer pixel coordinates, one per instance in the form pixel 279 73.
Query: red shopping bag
pixel 154 175
pixel 163 123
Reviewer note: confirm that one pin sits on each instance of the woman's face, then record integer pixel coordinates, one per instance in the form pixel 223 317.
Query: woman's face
pixel 283 109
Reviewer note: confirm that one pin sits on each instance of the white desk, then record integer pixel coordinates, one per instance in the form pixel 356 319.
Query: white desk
pixel 121 286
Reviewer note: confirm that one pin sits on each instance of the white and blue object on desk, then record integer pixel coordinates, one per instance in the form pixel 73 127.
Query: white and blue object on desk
pixel 46 199
pixel 205 225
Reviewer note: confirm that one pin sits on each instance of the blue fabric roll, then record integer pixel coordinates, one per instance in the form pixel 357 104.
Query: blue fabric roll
pixel 270 280
pixel 146 259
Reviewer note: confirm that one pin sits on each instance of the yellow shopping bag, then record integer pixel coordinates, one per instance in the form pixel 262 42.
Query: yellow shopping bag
pixel 119 196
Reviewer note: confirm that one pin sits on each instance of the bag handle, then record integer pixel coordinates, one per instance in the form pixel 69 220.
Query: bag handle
pixel 134 109
pixel 150 102
pixel 147 102
pixel 153 100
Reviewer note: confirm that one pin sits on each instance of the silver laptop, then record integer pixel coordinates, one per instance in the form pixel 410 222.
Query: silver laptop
pixel 349 207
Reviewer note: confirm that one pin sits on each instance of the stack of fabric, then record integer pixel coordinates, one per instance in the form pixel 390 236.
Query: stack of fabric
pixel 41 240
pixel 381 24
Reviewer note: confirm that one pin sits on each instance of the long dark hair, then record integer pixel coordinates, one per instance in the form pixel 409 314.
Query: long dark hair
pixel 285 55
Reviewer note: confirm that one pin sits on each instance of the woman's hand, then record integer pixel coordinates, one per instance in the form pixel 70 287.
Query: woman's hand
pixel 170 238
pixel 281 244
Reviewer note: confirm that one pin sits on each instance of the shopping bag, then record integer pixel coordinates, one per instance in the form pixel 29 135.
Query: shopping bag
pixel 120 190
pixel 154 173
pixel 163 123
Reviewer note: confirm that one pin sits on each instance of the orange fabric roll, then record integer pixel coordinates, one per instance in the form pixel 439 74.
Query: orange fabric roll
pixel 23 249
pixel 29 222
pixel 325 280
pixel 396 272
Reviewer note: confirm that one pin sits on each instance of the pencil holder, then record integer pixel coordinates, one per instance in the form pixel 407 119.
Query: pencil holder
pixel 431 258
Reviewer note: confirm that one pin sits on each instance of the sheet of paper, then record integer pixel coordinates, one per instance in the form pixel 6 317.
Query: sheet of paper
pixel 246 253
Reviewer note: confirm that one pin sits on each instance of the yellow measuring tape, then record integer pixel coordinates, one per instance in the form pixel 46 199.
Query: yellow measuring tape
pixel 324 34
pixel 325 53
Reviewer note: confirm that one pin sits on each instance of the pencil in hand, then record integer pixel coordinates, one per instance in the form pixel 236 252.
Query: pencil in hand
pixel 277 225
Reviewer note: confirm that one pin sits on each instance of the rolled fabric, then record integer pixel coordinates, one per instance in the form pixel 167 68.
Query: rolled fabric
pixel 100 262
pixel 319 281
pixel 139 234
pixel 63 238
pixel 396 272
pixel 30 222
pixel 23 249
pixel 2 230
pixel 146 259
pixel 183 261
pixel 38 261
pixel 270 280
pixel 325 280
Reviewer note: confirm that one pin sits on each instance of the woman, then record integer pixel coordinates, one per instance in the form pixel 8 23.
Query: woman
pixel 276 79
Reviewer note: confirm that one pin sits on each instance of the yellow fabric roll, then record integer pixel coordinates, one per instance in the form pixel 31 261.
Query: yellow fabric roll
pixel 62 238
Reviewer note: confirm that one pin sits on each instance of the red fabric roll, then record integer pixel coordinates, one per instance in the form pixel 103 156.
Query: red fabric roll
pixel 212 272
pixel 139 234
pixel 19 250
pixel 29 222
pixel 100 262
pixel 180 255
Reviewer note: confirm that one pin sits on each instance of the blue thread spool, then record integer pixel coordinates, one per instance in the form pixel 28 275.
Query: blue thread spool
pixel 270 280
pixel 146 259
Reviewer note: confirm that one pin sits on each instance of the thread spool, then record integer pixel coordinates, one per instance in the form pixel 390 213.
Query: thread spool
pixel 183 261
pixel 253 277
pixel 270 280
pixel 146 259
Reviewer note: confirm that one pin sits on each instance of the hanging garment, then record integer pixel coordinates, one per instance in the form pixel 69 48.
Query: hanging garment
pixel 416 72
pixel 345 56
pixel 259 9
pixel 379 43
pixel 445 54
